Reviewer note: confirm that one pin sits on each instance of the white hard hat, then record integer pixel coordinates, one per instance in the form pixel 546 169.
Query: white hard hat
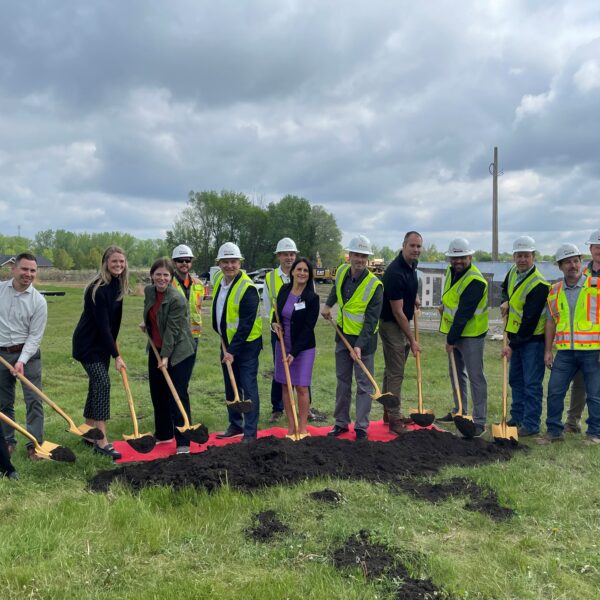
pixel 566 251
pixel 594 238
pixel 229 250
pixel 360 245
pixel 286 245
pixel 459 247
pixel 524 244
pixel 182 251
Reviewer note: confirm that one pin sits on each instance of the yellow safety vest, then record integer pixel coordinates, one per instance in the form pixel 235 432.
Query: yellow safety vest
pixel 586 320
pixel 274 283
pixel 351 316
pixel 517 300
pixel 478 324
pixel 232 308
pixel 195 301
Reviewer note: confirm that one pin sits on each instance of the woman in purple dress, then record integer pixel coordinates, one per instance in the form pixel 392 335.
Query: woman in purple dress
pixel 298 308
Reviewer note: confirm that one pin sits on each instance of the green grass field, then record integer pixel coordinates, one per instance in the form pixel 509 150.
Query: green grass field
pixel 58 540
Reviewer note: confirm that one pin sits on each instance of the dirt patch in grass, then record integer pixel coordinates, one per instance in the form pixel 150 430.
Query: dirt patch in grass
pixel 378 562
pixel 482 499
pixel 266 526
pixel 271 461
pixel 327 496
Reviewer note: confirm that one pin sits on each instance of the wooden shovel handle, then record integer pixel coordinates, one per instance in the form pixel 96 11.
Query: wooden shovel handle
pixel 20 429
pixel 504 378
pixel 236 394
pixel 186 421
pixel 418 360
pixel 456 384
pixel 129 396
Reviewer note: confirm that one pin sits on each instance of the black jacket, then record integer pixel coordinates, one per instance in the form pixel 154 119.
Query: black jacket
pixel 96 333
pixel 303 321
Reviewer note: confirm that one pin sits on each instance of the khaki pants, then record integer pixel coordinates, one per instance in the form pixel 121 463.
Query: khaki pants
pixel 395 352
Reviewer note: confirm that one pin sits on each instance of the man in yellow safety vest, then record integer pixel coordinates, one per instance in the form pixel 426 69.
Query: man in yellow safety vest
pixel 573 325
pixel 464 320
pixel 359 296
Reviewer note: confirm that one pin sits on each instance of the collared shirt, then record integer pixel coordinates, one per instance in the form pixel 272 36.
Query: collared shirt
pixel 223 291
pixel 266 297
pixel 572 294
pixel 23 317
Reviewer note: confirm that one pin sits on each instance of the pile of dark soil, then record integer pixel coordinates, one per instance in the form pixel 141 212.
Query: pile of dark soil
pixel 377 561
pixel 266 526
pixel 328 496
pixel 271 461
pixel 62 454
pixel 482 499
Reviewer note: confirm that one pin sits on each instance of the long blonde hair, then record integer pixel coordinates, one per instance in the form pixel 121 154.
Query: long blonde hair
pixel 103 277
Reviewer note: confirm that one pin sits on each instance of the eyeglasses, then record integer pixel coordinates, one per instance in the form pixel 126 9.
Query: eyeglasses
pixel 183 260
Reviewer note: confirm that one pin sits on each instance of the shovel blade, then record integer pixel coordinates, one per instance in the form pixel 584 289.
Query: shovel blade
pixel 465 425
pixel 424 419
pixel 143 443
pixel 388 400
pixel 91 433
pixel 504 434
pixel 241 406
pixel 197 434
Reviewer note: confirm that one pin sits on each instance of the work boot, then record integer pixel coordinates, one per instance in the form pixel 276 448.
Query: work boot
pixel 386 418
pixel 572 427
pixel 396 425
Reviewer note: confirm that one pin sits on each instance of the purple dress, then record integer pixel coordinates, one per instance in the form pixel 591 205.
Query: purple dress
pixel 302 366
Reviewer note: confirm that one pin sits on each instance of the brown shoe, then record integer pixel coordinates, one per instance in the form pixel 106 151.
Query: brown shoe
pixel 572 428
pixel 31 453
pixel 397 425
pixel 11 448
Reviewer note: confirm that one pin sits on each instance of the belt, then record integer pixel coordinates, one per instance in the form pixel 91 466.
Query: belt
pixel 12 349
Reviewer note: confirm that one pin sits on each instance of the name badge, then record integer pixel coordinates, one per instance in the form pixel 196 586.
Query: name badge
pixel 299 305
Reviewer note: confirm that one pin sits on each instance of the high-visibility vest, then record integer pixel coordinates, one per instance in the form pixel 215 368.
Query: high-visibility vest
pixel 232 307
pixel 274 283
pixel 351 315
pixel 586 320
pixel 195 301
pixel 478 324
pixel 517 299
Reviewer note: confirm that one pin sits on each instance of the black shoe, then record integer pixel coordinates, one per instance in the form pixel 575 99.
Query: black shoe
pixel 230 432
pixel 248 439
pixel 361 434
pixel 449 418
pixel 337 430
pixel 513 423
pixel 108 450
pixel 316 416
pixel 276 416
pixel 524 432
pixel 479 430
pixel 13 475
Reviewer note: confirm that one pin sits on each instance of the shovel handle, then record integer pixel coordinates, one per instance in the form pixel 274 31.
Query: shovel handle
pixel 504 378
pixel 129 396
pixel 456 385
pixel 359 362
pixel 236 394
pixel 418 360
pixel 186 421
pixel 41 394
pixel 21 430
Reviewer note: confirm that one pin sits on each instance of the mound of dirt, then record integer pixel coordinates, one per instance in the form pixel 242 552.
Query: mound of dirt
pixel 377 561
pixel 271 461
pixel 482 499
pixel 328 496
pixel 266 526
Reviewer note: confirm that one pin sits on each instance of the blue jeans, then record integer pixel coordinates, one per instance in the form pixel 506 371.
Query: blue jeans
pixel 245 370
pixel 566 364
pixel 526 381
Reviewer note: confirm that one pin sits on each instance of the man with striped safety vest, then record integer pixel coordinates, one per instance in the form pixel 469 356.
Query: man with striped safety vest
pixel 359 296
pixel 573 325
pixel 577 404
pixel 286 253
pixel 464 320
pixel 524 293
pixel 190 287
pixel 236 318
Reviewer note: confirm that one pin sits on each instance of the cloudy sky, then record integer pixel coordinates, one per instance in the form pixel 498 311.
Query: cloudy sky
pixel 386 112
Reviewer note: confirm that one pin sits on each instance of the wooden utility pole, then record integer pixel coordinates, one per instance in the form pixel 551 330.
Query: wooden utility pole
pixel 494 169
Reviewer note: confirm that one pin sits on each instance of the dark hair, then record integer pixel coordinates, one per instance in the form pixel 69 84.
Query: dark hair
pixel 408 234
pixel 25 256
pixel 162 263
pixel 310 270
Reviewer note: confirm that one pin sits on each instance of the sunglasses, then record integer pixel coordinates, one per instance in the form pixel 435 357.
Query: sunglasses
pixel 183 260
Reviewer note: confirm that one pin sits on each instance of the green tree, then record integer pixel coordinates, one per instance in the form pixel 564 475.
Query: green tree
pixel 62 259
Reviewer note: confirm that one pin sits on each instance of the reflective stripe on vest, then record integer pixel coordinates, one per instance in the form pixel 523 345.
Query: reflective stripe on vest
pixel 518 298
pixel 586 320
pixel 273 282
pixel 232 308
pixel 351 316
pixel 195 303
pixel 478 324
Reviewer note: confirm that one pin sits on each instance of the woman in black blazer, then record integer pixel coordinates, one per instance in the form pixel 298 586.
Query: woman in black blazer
pixel 298 309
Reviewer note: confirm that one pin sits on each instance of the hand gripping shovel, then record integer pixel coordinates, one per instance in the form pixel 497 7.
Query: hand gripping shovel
pixel 288 379
pixel 501 432
pixel 388 399
pixel 140 442
pixel 464 423
pixel 91 433
pixel 241 406
pixel 197 433
pixel 421 416
pixel 46 450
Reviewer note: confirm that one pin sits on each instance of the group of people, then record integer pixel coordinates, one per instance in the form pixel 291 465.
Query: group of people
pixel 538 316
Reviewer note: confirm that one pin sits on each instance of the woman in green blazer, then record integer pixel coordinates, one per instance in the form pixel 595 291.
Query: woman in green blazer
pixel 167 322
